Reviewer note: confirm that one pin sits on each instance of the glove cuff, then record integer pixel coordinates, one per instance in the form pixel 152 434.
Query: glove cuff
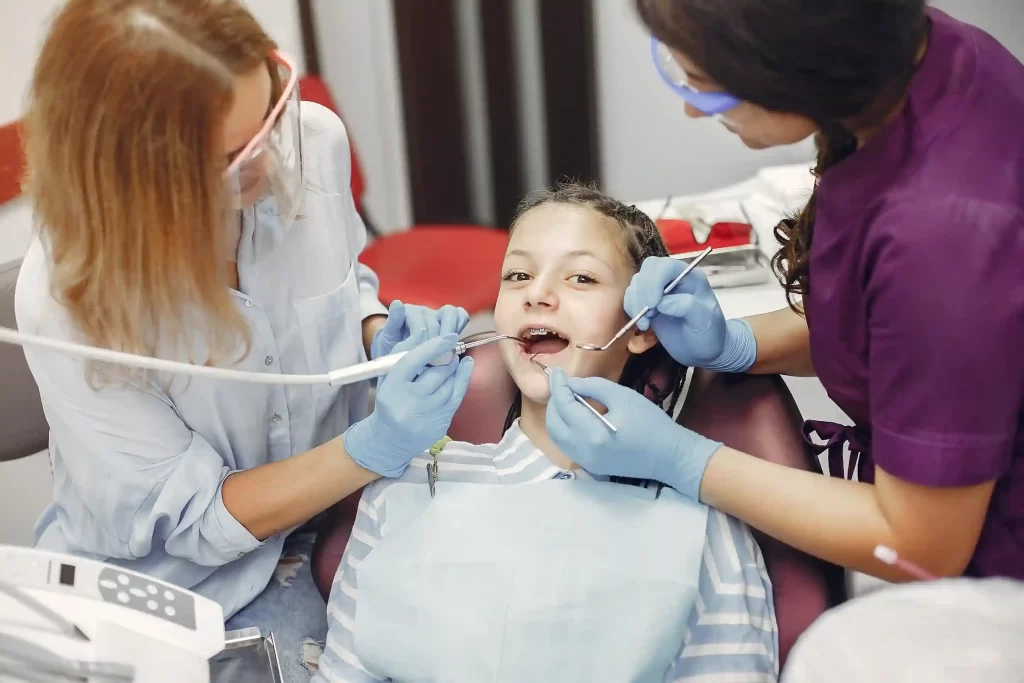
pixel 363 440
pixel 693 453
pixel 740 350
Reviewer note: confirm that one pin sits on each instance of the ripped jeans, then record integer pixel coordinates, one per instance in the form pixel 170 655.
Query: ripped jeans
pixel 292 609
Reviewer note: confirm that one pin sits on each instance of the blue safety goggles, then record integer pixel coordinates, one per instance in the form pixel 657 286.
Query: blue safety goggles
pixel 710 103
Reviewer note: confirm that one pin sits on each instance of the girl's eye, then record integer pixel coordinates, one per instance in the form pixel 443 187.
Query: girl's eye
pixel 583 279
pixel 514 276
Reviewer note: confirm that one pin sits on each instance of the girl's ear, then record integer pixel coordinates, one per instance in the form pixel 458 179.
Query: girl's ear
pixel 640 342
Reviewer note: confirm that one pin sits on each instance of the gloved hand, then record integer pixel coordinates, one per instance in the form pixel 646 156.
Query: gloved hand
pixel 689 322
pixel 405 320
pixel 414 407
pixel 648 444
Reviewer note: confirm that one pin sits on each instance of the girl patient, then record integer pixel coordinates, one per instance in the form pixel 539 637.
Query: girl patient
pixel 521 566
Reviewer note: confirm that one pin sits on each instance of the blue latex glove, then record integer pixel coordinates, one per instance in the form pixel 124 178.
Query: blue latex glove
pixel 405 320
pixel 414 407
pixel 648 444
pixel 689 322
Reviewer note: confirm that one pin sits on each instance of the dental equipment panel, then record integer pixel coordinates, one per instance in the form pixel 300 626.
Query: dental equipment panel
pixel 65 618
pixel 647 309
pixel 736 266
pixel 579 399
pixel 335 378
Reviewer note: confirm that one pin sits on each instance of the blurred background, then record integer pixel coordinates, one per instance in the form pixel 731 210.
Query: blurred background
pixel 458 107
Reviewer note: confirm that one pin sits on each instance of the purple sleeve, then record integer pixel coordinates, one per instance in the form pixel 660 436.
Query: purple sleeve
pixel 945 305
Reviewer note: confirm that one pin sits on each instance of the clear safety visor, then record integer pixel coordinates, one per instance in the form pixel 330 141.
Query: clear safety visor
pixel 710 103
pixel 265 179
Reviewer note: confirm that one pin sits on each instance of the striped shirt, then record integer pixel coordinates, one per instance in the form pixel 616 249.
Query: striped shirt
pixel 731 636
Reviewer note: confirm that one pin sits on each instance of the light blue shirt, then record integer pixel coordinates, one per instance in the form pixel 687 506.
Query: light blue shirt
pixel 138 469
pixel 732 633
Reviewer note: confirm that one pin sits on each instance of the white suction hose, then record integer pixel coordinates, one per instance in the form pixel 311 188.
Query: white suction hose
pixel 335 378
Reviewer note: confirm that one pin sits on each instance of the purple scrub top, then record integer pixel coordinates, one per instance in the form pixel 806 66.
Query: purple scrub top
pixel 916 299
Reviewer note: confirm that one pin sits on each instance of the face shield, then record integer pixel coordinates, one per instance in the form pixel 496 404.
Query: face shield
pixel 265 179
pixel 714 104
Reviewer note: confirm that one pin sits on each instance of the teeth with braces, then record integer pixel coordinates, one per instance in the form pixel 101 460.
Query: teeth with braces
pixel 540 332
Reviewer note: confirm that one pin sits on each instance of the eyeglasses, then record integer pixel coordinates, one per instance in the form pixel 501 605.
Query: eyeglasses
pixel 710 103
pixel 265 138
pixel 265 180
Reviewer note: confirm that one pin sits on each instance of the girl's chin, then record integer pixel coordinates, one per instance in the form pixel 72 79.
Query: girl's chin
pixel 535 389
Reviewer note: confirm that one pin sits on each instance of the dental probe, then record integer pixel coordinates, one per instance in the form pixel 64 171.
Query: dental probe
pixel 579 399
pixel 646 309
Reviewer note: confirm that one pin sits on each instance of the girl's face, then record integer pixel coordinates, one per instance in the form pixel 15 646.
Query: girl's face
pixel 563 280
pixel 757 127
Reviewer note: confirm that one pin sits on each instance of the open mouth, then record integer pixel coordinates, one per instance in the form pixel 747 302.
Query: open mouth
pixel 542 341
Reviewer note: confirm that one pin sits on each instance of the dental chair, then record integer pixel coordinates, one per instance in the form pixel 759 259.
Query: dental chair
pixel 23 427
pixel 755 414
pixel 26 486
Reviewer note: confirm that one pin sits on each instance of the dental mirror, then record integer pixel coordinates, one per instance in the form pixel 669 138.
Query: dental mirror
pixel 646 309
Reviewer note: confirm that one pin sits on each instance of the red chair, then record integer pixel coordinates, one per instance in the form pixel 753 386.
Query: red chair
pixel 755 414
pixel 426 265
pixel 12 161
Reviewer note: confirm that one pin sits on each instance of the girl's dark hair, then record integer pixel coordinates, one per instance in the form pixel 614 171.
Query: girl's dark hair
pixel 654 372
pixel 844 64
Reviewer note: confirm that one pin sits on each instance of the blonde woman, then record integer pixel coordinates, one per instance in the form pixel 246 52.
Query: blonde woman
pixel 188 208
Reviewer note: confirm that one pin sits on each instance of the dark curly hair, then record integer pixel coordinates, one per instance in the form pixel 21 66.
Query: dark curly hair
pixel 645 372
pixel 844 64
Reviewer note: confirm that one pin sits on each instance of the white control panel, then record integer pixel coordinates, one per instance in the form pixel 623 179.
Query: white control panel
pixel 101 599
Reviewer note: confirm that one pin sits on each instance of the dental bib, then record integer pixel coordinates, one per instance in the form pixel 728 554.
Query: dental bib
pixel 551 581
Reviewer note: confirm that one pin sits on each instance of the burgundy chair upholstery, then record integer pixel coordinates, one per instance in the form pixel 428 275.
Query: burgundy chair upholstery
pixel 757 415
pixel 753 414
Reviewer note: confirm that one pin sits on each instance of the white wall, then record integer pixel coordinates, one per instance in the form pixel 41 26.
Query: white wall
pixel 23 25
pixel 359 61
pixel 648 146
pixel 280 18
pixel 1004 19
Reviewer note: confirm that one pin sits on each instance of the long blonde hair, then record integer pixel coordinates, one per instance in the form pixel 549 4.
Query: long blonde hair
pixel 125 168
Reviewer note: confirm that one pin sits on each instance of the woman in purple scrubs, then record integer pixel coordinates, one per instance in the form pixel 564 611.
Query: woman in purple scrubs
pixel 905 273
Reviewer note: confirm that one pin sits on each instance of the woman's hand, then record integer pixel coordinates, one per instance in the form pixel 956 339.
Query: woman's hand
pixel 648 444
pixel 689 322
pixel 414 407
pixel 405 320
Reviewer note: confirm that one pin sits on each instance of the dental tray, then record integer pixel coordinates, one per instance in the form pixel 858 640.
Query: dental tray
pixel 735 266
pixel 248 657
pixel 736 261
